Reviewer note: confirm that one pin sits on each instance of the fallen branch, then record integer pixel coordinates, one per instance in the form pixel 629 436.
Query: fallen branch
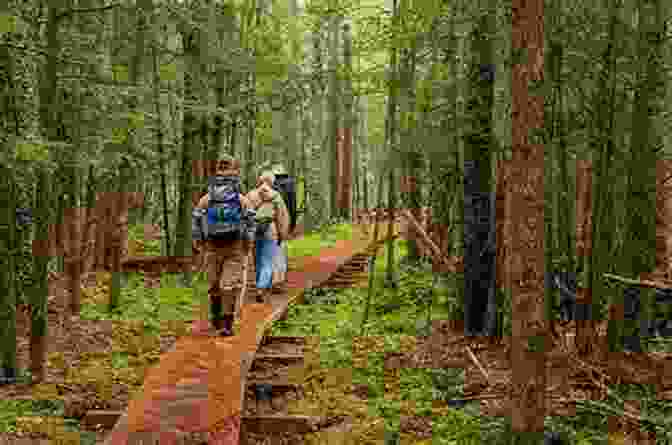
pixel 418 228
pixel 243 289
pixel 474 359
pixel 642 283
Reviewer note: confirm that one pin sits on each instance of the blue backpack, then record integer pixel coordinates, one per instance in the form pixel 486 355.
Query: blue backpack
pixel 224 214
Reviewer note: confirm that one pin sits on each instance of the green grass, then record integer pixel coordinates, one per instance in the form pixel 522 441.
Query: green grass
pixel 395 314
pixel 152 306
pixel 174 302
pixel 335 317
pixel 313 243
pixel 11 411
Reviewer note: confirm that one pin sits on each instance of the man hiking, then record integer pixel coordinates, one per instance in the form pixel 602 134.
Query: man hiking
pixel 272 221
pixel 223 209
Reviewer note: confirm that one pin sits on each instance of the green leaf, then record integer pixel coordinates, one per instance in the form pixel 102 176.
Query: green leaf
pixel 136 119
pixel 8 23
pixel 31 151
pixel 119 136
pixel 168 72
pixel 120 73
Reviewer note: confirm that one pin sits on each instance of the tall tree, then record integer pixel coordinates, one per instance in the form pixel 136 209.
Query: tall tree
pixel 7 273
pixel 345 158
pixel 192 40
pixel 641 234
pixel 479 251
pixel 8 234
pixel 391 138
pixel 526 275
pixel 49 123
pixel 315 187
pixel 334 133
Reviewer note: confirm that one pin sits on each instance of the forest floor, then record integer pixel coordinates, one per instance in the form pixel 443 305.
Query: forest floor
pixel 409 373
pixel 87 362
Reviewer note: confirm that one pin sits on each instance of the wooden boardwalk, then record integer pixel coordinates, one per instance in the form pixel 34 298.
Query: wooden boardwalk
pixel 198 386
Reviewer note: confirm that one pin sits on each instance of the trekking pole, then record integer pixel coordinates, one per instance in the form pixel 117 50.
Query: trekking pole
pixel 243 289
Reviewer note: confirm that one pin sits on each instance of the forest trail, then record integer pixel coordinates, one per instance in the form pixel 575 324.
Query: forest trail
pixel 199 384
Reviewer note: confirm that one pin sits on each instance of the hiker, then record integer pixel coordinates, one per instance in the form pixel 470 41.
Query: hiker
pixel 286 186
pixel 272 219
pixel 224 207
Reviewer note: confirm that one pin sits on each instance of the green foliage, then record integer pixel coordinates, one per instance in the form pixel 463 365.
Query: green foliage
pixel 153 306
pixel 30 151
pixel 11 409
pixel 313 243
pixel 335 324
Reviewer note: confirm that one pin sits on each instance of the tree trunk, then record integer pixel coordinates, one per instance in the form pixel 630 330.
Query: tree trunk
pixel 334 118
pixel 10 242
pixel 479 251
pixel 160 145
pixel 345 175
pixel 7 275
pixel 192 41
pixel 48 118
pixel 526 278
pixel 641 240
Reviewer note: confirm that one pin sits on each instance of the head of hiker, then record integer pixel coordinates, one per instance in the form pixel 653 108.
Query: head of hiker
pixel 227 167
pixel 266 180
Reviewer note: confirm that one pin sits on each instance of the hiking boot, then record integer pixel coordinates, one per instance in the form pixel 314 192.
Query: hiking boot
pixel 224 326
pixel 279 288
pixel 259 297
pixel 228 325
pixel 262 296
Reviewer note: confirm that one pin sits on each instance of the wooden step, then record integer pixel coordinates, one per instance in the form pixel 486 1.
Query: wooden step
pixel 280 357
pixel 270 425
pixel 254 424
pixel 283 339
pixel 278 384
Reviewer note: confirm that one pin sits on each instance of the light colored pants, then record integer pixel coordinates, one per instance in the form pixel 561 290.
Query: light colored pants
pixel 280 264
pixel 265 251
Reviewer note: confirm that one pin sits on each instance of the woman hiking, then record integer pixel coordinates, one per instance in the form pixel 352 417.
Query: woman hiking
pixel 272 220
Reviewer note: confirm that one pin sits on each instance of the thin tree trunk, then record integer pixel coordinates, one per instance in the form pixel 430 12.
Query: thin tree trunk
pixel 479 252
pixel 390 279
pixel 348 122
pixel 38 332
pixel 334 118
pixel 642 166
pixel 160 145
pixel 8 241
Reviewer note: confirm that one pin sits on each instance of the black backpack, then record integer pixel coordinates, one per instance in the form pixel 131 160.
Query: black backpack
pixel 224 214
pixel 284 184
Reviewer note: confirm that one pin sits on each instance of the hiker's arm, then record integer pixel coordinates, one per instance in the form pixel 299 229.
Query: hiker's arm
pixel 195 244
pixel 282 220
pixel 203 202
pixel 292 205
pixel 244 202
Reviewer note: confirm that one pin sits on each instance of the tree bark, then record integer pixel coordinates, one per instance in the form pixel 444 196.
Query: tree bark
pixel 526 277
